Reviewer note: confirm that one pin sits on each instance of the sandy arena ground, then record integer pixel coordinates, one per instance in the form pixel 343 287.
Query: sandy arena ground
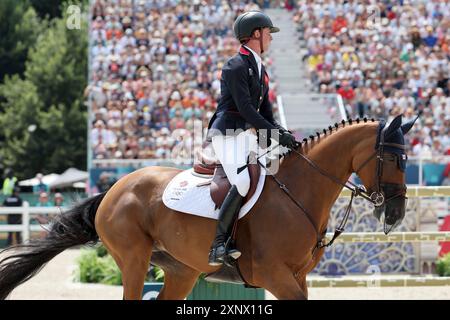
pixel 55 282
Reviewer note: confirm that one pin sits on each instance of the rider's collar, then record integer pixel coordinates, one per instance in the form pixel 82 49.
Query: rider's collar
pixel 243 50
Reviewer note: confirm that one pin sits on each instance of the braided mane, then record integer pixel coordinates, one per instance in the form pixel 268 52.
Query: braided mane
pixel 328 131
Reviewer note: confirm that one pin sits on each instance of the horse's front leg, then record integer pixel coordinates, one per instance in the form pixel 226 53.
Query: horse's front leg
pixel 282 283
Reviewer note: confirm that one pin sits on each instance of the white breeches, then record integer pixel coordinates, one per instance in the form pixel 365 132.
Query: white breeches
pixel 232 152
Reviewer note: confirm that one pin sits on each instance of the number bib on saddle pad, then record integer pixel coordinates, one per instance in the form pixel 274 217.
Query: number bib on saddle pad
pixel 184 194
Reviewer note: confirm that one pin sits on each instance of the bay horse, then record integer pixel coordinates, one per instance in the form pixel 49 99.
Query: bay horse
pixel 281 239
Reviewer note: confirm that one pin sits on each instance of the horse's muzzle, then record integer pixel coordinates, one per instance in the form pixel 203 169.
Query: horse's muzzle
pixel 394 207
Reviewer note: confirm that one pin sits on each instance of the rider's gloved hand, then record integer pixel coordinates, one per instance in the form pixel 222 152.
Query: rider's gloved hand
pixel 287 139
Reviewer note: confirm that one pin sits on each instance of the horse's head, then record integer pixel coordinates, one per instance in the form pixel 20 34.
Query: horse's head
pixel 383 173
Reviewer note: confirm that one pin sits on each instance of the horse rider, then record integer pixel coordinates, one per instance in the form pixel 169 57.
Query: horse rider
pixel 243 109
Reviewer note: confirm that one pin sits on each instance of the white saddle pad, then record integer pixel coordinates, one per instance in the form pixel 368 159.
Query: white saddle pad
pixel 183 194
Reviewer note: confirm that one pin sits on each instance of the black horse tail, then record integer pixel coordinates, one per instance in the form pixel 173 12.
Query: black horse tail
pixel 68 229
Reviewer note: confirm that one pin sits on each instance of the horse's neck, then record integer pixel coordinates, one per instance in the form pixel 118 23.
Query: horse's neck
pixel 334 153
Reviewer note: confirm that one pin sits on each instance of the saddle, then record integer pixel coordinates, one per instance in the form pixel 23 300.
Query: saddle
pixel 220 185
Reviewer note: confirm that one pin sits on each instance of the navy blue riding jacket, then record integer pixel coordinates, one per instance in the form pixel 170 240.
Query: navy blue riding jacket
pixel 244 101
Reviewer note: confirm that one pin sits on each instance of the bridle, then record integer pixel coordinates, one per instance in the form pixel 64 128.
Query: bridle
pixel 376 196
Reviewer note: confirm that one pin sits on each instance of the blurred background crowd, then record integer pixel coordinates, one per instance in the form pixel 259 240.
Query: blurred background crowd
pixel 386 60
pixel 155 74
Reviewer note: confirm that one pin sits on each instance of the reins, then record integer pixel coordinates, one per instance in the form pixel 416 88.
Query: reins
pixel 355 191
pixel 376 198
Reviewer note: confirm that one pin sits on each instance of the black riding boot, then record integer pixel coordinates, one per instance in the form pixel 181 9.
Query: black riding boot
pixel 228 214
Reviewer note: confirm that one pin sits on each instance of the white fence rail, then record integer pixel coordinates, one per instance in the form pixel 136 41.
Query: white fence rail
pixel 26 211
pixel 376 281
pixel 416 192
pixel 413 236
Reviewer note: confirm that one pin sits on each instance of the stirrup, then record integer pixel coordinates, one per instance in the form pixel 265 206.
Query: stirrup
pixel 231 252
pixel 234 253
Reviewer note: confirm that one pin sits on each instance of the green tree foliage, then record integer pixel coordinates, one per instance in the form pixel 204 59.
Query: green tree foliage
pixel 21 111
pixel 19 30
pixel 47 8
pixel 55 63
pixel 50 100
pixel 50 8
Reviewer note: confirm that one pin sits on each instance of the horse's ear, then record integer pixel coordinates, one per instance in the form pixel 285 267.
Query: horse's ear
pixel 395 124
pixel 407 126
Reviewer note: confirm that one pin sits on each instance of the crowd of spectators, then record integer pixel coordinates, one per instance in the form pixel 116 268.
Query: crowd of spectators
pixel 155 74
pixel 384 60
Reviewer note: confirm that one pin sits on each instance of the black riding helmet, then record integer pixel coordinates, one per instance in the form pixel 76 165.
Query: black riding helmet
pixel 249 21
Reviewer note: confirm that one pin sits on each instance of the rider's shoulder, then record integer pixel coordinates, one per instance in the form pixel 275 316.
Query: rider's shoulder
pixel 236 62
